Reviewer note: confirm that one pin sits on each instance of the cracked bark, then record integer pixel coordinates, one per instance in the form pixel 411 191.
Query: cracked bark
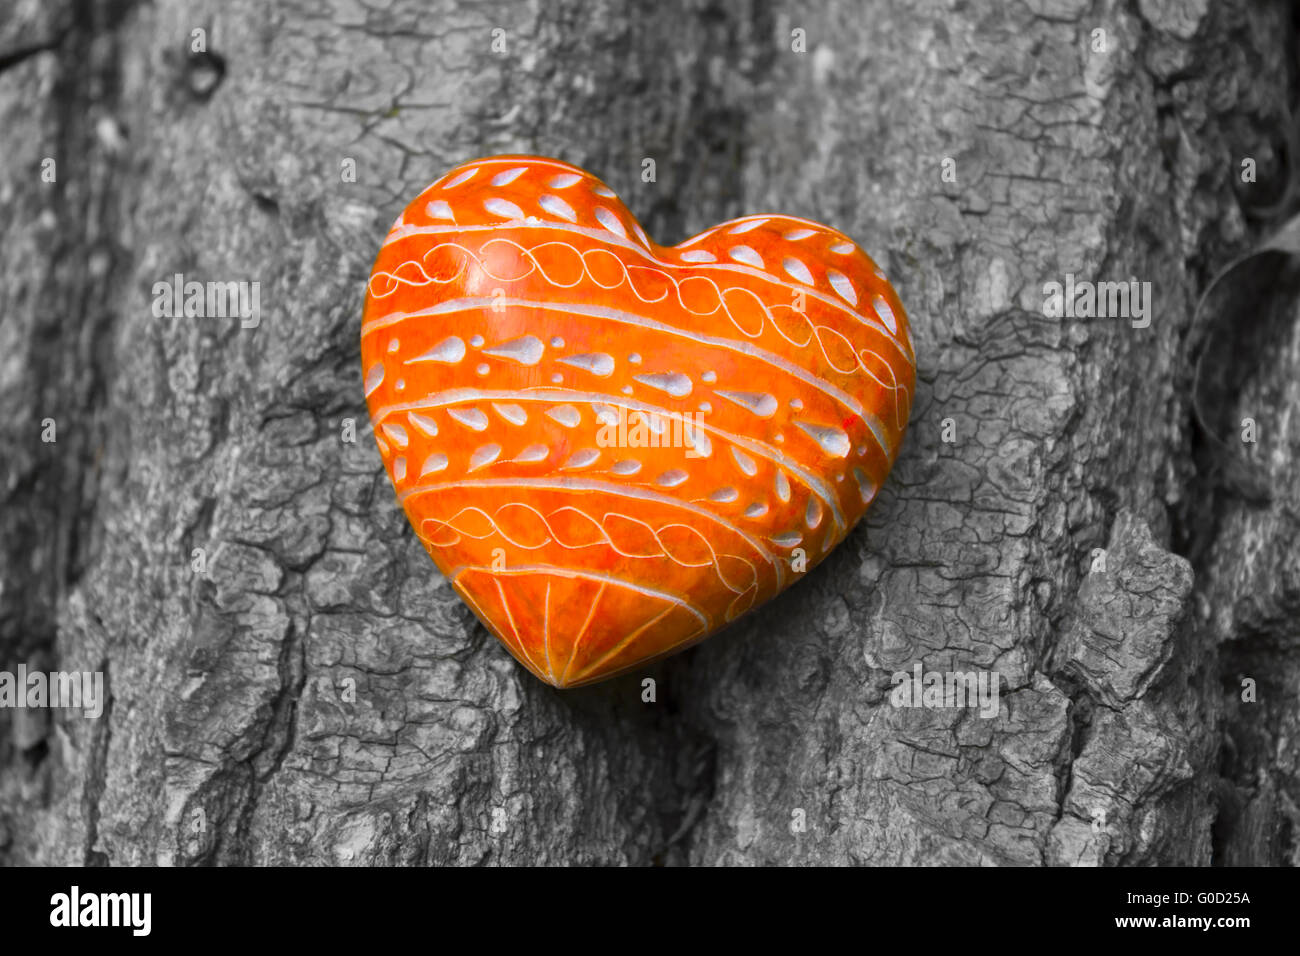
pixel 320 695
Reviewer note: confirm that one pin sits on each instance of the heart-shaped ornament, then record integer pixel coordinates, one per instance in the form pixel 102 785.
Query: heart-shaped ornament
pixel 613 448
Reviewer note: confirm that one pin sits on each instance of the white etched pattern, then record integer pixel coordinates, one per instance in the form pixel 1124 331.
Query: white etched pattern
pixel 423 423
pixel 503 208
pixel 514 414
pixel 744 462
pixel 842 286
pixel 583 458
pixel 758 403
pixel 449 351
pixel 637 411
pixel 509 176
pixel 655 423
pixel 674 383
pixel 483 456
pixel 564 181
pixel 558 207
pixel 566 415
pixel 374 378
pixel 813 514
pixel 526 350
pixel 865 487
pixel 671 478
pixel 460 178
pixel 818 333
pixel 471 418
pixel 600 364
pixel 576 484
pixel 741 347
pixel 433 464
pixel 886 313
pixel 746 256
pixel 439 209
pixel 610 222
pixel 698 255
pixel 628 466
pixel 783 487
pixel 834 441
pixel 796 270
pixel 533 454
pixel 397 435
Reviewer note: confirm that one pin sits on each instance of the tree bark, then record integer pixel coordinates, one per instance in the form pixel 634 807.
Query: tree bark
pixel 319 694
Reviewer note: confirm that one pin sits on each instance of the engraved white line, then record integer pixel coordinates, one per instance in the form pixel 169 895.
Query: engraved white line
pixel 486 618
pixel 553 537
pixel 513 627
pixel 563 572
pixel 631 318
pixel 609 238
pixel 456 396
pixel 577 639
pixel 395 280
pixel 518 159
pixel 580 484
pixel 477 164
pixel 623 644
pixel 775 217
pixel 546 632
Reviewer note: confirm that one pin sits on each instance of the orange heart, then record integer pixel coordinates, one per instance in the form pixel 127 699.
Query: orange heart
pixel 614 448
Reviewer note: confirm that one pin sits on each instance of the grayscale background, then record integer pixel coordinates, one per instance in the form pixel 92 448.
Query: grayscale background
pixel 319 695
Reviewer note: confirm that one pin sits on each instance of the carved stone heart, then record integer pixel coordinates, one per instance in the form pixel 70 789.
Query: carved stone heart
pixel 613 448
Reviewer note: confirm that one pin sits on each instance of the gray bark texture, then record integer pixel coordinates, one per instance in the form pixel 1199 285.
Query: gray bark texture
pixel 320 695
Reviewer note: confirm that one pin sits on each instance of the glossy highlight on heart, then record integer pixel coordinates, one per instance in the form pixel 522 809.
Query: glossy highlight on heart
pixel 612 448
